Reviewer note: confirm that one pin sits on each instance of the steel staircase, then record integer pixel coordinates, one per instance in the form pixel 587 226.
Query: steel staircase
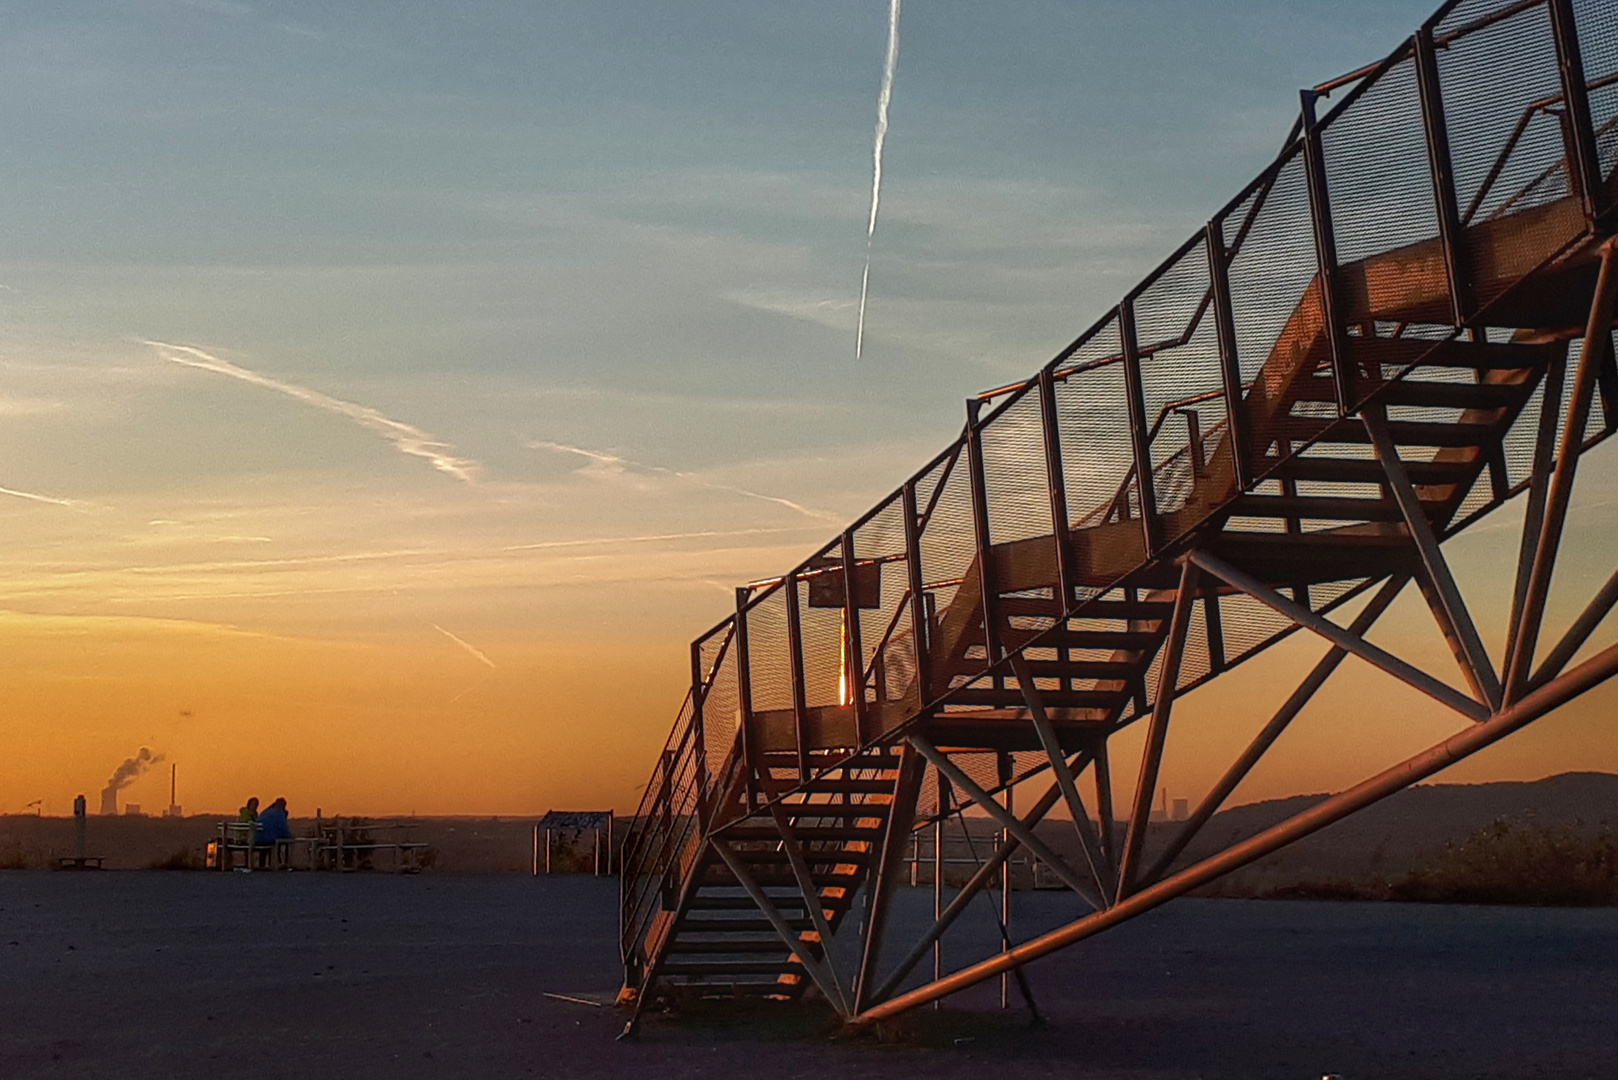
pixel 1354 361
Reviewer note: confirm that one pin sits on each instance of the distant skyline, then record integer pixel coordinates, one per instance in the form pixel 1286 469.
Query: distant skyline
pixel 389 392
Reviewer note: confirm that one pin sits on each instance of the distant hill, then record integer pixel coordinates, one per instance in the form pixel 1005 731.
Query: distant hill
pixel 1403 832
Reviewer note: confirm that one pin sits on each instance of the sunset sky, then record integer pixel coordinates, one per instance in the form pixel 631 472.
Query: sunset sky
pixel 389 392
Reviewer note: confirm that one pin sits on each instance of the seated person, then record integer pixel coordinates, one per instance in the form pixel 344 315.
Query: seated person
pixel 272 823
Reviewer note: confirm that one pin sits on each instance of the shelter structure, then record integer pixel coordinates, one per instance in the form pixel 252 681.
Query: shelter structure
pixel 598 823
pixel 1401 325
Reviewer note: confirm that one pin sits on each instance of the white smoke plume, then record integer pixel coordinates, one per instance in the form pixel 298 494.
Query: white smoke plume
pixel 883 98
pixel 124 775
pixel 408 439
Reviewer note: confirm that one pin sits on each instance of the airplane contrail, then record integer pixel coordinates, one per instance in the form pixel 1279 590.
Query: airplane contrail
pixel 405 437
pixel 476 653
pixel 615 462
pixel 883 98
pixel 652 538
pixel 14 493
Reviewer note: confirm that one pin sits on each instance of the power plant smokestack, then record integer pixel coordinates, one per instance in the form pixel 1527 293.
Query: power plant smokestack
pixel 123 776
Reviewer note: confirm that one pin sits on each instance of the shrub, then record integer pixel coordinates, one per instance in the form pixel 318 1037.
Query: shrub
pixel 1520 863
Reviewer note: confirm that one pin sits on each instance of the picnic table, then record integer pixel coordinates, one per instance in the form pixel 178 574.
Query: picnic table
pixel 345 844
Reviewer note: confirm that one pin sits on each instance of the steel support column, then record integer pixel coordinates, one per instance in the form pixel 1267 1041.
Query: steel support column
pixel 1088 840
pixel 811 964
pixel 1139 426
pixel 1271 731
pixel 1168 678
pixel 1230 372
pixel 1414 769
pixel 943 917
pixel 889 861
pixel 1597 334
pixel 1450 610
pixel 1584 168
pixel 1007 821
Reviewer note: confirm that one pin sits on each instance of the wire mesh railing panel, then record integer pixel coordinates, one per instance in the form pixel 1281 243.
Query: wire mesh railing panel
pixel 825 640
pixel 769 654
pixel 1275 299
pixel 1508 145
pixel 1467 13
pixel 949 569
pixel 1182 385
pixel 1597 25
pixel 1014 472
pixel 882 591
pixel 721 708
pixel 1379 180
pixel 1092 415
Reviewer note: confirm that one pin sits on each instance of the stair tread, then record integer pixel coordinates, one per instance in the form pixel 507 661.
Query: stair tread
pixel 738 967
pixel 1403 432
pixel 1325 507
pixel 1363 470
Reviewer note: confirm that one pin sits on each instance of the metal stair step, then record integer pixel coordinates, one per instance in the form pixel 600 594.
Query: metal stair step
pixel 759 925
pixel 744 903
pixel 1325 507
pixel 812 857
pixel 855 786
pixel 1103 670
pixel 1052 699
pixel 805 834
pixel 1404 432
pixel 1364 470
pixel 1485 355
pixel 687 947
pixel 739 967
pixel 1441 395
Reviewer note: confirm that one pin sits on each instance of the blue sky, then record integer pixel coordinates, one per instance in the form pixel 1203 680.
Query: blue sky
pixel 261 265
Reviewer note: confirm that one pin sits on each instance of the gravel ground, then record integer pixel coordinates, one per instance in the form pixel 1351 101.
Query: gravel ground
pixel 161 975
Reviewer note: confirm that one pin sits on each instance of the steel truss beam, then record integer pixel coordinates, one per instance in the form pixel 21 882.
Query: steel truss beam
pixel 1444 596
pixel 1592 354
pixel 1008 821
pixel 823 977
pixel 1272 731
pixel 1469 741
pixel 1168 678
pixel 974 885
pixel 1100 868
pixel 1329 630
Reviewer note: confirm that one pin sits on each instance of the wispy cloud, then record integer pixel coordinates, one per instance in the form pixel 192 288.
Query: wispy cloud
pixel 649 539
pixel 407 438
pixel 32 497
pixel 613 464
pixel 472 650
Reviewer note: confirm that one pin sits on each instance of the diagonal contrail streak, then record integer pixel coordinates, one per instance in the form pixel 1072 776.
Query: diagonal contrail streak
pixel 612 463
pixel 405 437
pixel 884 97
pixel 14 493
pixel 472 650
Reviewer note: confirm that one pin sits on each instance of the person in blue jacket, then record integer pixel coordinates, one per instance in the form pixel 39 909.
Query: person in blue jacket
pixel 272 823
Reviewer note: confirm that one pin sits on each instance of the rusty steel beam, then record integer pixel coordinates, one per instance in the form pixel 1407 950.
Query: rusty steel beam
pixel 1399 669
pixel 1410 771
pixel 1597 331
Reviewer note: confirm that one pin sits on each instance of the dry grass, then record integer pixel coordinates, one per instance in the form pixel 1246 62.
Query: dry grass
pixel 1521 863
